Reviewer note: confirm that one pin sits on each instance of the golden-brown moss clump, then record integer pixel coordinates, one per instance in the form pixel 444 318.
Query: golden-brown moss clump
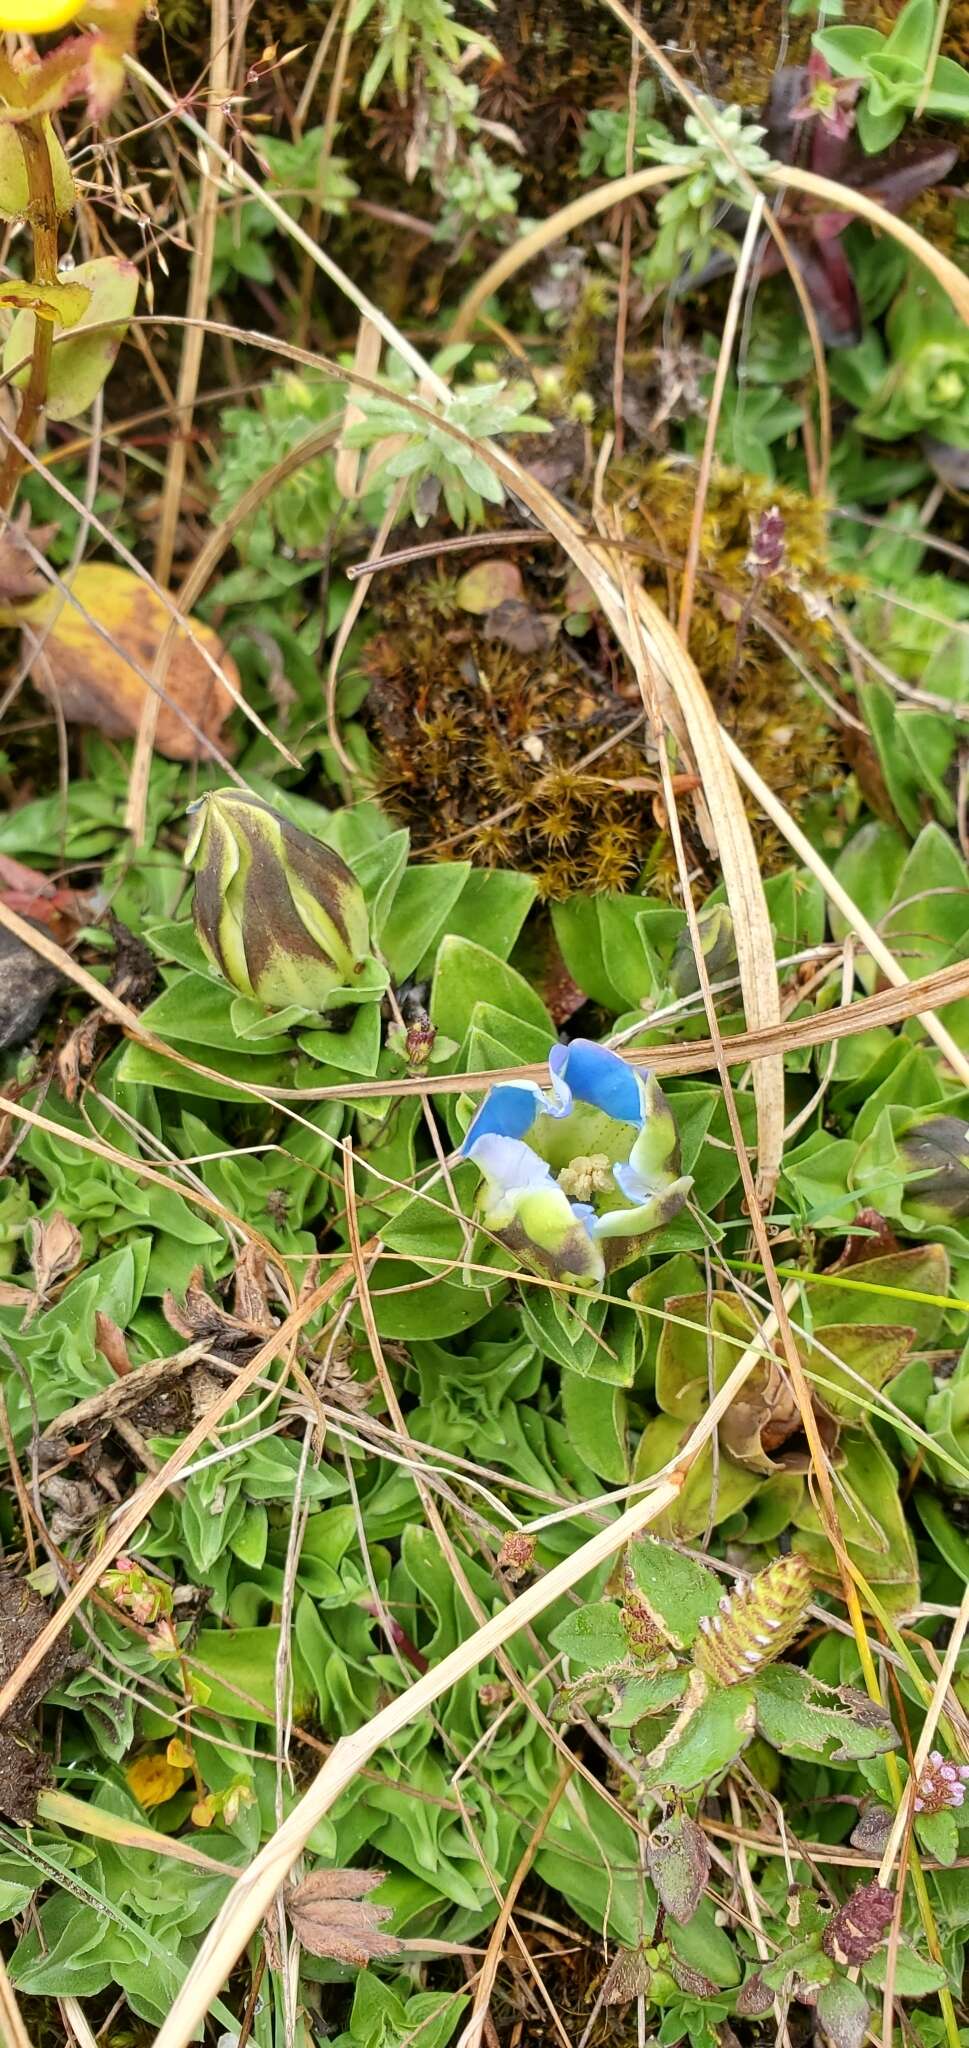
pixel 483 750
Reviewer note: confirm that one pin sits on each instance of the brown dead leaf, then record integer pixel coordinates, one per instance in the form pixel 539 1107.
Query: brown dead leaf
pixel 76 1503
pixel 20 577
pixel 55 1250
pixel 76 1057
pixel 32 894
pixel 111 1343
pixel 516 625
pixel 250 1300
pixel 94 682
pixel 762 1428
pixel 331 1916
pixel 202 1319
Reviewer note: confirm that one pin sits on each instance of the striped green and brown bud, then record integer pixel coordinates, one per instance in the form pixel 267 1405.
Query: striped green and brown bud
pixel 755 1624
pixel 936 1154
pixel 276 912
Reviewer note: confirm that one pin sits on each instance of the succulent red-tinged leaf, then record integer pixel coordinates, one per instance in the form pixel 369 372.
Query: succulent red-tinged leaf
pixel 32 87
pixel 678 1860
pixel 831 285
pixel 906 172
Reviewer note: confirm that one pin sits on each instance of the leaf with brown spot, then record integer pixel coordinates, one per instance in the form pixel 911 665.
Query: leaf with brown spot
pixel 94 682
pixel 332 1916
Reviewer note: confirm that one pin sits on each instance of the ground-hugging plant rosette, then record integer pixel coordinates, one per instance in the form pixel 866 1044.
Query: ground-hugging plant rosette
pixel 529 1386
pixel 385 1222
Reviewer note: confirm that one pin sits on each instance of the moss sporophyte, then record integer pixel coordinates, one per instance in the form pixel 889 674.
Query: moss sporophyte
pixel 574 1179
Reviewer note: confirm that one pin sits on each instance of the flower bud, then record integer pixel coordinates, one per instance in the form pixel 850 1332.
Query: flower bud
pixel 276 912
pixel 936 1153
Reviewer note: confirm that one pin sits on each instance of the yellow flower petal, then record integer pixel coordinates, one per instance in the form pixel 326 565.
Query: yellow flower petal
pixel 37 17
pixel 153 1779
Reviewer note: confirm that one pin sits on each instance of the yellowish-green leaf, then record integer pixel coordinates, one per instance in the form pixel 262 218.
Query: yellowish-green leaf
pixel 81 361
pixel 62 304
pixel 14 193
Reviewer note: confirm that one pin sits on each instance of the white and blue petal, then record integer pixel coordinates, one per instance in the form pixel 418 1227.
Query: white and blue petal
pixel 508 1111
pixel 593 1074
pixel 522 1203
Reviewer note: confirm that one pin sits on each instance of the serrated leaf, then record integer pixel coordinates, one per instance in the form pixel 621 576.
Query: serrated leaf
pixel 795 1712
pixel 677 1590
pixel 714 1724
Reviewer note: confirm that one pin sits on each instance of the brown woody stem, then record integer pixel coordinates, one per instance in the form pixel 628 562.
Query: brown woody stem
pixel 43 218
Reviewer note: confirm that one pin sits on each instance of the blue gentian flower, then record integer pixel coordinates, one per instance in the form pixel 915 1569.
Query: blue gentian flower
pixel 575 1178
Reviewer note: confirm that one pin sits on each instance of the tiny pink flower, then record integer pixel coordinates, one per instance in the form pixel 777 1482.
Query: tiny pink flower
pixel 828 99
pixel 941 1784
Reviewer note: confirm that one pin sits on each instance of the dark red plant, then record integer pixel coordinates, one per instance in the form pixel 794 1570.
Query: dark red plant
pixel 809 119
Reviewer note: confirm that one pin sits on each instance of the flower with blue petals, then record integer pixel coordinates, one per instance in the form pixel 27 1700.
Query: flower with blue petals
pixel 574 1178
